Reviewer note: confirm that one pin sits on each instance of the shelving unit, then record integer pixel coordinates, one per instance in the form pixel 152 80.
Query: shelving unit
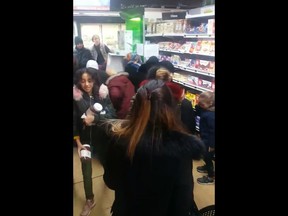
pixel 192 50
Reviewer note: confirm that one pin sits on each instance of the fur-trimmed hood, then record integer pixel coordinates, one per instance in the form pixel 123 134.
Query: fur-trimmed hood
pixel 78 94
pixel 116 75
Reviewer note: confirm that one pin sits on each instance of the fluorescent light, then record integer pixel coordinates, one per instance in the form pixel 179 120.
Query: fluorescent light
pixel 135 19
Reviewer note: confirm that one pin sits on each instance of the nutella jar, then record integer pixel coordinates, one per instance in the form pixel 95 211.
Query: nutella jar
pixel 85 154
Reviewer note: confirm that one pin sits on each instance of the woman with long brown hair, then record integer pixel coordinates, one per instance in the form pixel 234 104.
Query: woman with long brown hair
pixel 149 159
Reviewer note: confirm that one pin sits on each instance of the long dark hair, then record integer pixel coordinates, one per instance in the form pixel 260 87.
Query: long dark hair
pixel 153 112
pixel 94 75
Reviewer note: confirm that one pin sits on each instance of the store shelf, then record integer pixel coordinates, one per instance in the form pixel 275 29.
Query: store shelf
pixel 194 53
pixel 208 15
pixel 198 88
pixel 173 51
pixel 194 70
pixel 154 35
pixel 165 35
pixel 184 35
pixel 198 36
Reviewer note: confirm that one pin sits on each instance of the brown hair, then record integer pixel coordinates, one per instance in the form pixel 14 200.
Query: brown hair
pixel 163 74
pixel 153 111
pixel 207 99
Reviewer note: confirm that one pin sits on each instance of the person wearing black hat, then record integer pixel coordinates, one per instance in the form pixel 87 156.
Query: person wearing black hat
pixel 81 54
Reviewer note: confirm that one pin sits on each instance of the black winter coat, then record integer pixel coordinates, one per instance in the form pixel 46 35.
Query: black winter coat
pixel 188 115
pixel 159 181
pixel 82 55
pixel 207 128
pixel 94 135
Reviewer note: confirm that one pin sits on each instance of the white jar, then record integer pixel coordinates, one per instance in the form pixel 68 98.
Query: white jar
pixel 85 154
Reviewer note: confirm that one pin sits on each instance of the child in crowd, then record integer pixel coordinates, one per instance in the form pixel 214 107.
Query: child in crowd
pixel 206 103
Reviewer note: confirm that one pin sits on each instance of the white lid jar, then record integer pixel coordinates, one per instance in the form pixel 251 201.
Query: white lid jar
pixel 85 154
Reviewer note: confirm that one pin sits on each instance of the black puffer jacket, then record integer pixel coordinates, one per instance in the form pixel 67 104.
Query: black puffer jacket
pixel 93 135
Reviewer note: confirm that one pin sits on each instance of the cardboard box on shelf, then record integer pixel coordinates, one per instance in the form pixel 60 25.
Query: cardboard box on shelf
pixel 211 27
pixel 193 80
pixel 205 84
pixel 179 26
pixel 203 65
pixel 168 27
pixel 159 28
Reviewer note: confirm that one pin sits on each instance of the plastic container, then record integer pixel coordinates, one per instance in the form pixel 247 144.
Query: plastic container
pixel 96 108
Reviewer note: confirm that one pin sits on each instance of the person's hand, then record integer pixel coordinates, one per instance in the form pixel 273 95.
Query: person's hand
pixel 211 149
pixel 88 120
pixel 77 93
pixel 79 148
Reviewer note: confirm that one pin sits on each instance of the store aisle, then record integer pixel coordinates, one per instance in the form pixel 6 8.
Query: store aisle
pixel 204 194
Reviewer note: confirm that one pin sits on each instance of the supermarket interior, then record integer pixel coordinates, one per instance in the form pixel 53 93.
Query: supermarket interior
pixel 131 32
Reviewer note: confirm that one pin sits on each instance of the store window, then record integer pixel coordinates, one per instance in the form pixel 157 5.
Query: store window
pixel 87 31
pixel 108 34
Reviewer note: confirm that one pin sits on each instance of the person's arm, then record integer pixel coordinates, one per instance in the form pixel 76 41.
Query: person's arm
pixel 80 103
pixel 107 49
pixel 76 129
pixel 211 129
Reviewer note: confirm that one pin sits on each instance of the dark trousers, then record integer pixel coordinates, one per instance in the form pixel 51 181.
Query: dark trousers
pixel 87 178
pixel 208 159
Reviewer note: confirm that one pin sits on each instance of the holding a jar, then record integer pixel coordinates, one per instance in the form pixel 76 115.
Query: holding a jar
pixel 85 129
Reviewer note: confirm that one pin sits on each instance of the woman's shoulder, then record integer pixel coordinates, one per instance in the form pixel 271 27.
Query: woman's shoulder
pixel 103 91
pixel 175 144
pixel 208 114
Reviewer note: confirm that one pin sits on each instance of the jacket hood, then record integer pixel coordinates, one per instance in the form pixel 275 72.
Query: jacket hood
pixel 78 94
pixel 116 75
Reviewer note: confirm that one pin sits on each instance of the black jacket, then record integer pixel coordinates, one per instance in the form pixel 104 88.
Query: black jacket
pixel 159 182
pixel 93 135
pixel 188 115
pixel 82 56
pixel 207 128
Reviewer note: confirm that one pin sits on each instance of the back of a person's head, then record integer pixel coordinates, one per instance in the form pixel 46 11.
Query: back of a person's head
pixel 152 113
pixel 163 74
pixel 177 91
pixel 207 100
pixel 168 65
pixel 152 60
pixel 135 58
pixel 155 101
pixel 92 64
pixel 151 74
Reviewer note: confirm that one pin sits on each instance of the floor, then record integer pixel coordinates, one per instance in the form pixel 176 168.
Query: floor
pixel 204 195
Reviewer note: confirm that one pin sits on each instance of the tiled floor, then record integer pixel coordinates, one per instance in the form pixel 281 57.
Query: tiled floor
pixel 203 194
